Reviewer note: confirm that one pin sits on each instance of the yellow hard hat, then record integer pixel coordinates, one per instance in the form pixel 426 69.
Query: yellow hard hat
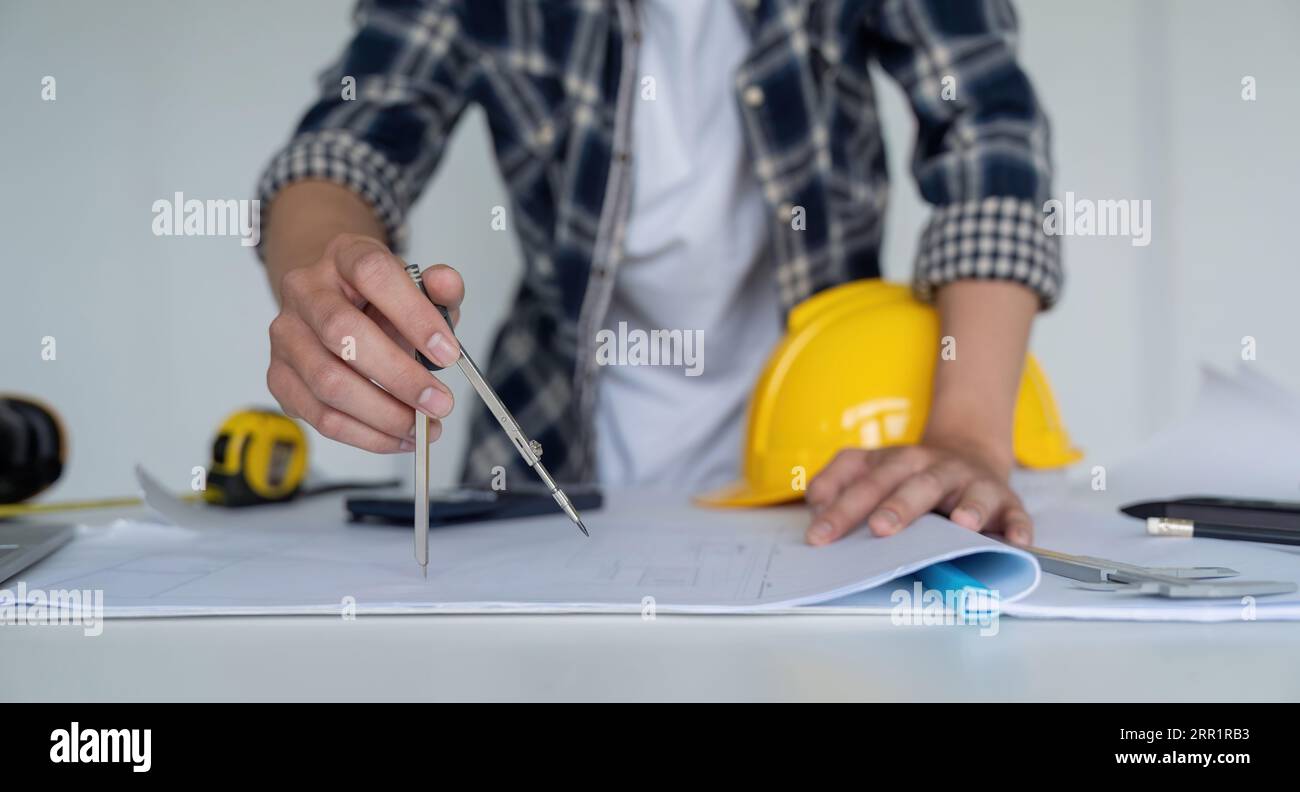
pixel 855 370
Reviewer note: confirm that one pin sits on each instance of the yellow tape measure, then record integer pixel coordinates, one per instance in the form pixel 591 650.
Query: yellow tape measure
pixel 258 456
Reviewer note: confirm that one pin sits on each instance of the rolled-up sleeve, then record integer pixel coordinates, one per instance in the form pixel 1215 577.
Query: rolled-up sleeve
pixel 982 149
pixel 385 111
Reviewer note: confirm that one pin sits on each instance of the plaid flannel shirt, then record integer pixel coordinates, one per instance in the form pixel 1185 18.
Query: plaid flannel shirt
pixel 557 79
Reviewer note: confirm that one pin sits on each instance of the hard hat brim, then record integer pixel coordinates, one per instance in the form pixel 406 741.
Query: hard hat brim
pixel 741 494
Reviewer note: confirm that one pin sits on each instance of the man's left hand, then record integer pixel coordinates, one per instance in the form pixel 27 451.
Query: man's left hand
pixel 889 488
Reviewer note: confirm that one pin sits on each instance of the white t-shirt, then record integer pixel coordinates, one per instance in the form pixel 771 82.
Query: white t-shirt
pixel 694 262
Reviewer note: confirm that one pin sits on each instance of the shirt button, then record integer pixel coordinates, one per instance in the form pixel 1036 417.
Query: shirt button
pixel 753 96
pixel 545 135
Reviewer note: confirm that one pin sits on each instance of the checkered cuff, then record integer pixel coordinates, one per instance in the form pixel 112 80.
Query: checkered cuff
pixel 338 156
pixel 994 238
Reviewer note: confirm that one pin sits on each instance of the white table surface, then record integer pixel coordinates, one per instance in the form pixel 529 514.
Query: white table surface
pixel 589 657
pixel 623 657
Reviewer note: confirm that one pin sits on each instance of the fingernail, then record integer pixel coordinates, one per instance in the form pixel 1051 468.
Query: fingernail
pixel 407 445
pixel 441 350
pixel 967 517
pixel 412 432
pixel 1018 536
pixel 435 403
pixel 883 522
pixel 820 532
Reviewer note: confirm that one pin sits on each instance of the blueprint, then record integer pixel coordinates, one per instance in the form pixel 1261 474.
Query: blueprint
pixel 645 549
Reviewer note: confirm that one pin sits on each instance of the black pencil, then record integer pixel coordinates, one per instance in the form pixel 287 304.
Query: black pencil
pixel 1160 526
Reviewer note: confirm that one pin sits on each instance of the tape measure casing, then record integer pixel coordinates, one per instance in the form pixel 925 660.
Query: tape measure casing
pixel 258 456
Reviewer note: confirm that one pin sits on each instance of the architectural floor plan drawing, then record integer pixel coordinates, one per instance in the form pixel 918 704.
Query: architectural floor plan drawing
pixel 305 558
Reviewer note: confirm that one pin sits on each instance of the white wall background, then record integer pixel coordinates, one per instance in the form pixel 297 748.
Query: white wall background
pixel 158 338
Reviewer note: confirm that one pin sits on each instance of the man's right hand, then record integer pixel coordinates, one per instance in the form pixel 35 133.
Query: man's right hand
pixel 342 347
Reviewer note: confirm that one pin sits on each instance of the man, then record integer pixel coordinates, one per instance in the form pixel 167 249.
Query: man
pixel 699 165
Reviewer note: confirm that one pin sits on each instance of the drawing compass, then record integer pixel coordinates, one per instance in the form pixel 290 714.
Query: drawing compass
pixel 530 450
